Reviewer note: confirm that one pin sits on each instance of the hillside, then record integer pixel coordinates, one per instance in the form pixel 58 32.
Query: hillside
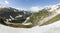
pixel 11 15
pixel 24 19
pixel 54 19
pixel 46 16
pixel 35 17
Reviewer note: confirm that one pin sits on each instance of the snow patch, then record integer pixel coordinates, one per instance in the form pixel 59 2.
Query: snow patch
pixel 51 28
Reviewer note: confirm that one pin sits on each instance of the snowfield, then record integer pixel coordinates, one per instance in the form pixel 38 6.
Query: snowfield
pixel 51 28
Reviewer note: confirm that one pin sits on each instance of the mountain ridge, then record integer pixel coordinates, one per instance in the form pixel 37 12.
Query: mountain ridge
pixel 35 18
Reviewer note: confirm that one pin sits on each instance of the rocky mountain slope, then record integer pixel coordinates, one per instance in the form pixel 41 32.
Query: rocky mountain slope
pixel 12 15
pixel 46 16
pixel 16 18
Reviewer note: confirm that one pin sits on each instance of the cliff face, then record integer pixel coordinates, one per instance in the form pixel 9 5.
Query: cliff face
pixel 13 15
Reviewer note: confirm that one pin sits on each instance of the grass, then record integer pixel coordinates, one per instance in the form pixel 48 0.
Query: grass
pixel 37 16
pixel 16 25
pixel 20 26
pixel 56 18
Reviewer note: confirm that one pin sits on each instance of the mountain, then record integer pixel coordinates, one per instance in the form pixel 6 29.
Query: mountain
pixel 46 16
pixel 17 18
pixel 12 15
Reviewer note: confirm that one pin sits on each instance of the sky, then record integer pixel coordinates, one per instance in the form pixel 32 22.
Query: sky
pixel 26 4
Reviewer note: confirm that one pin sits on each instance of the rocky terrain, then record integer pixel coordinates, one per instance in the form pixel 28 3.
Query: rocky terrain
pixel 10 15
pixel 17 18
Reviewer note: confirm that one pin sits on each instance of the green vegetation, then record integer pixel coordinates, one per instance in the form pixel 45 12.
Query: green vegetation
pixel 20 25
pixel 38 16
pixel 56 18
pixel 34 19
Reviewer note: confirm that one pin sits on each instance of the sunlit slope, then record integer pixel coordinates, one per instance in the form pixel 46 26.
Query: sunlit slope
pixel 54 19
pixel 36 17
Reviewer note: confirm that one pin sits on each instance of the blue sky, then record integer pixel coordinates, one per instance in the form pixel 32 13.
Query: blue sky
pixel 28 3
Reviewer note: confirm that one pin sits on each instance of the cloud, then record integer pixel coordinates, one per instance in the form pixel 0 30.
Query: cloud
pixel 35 9
pixel 21 8
pixel 6 2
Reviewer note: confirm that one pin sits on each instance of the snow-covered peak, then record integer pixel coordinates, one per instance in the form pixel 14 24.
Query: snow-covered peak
pixel 53 8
